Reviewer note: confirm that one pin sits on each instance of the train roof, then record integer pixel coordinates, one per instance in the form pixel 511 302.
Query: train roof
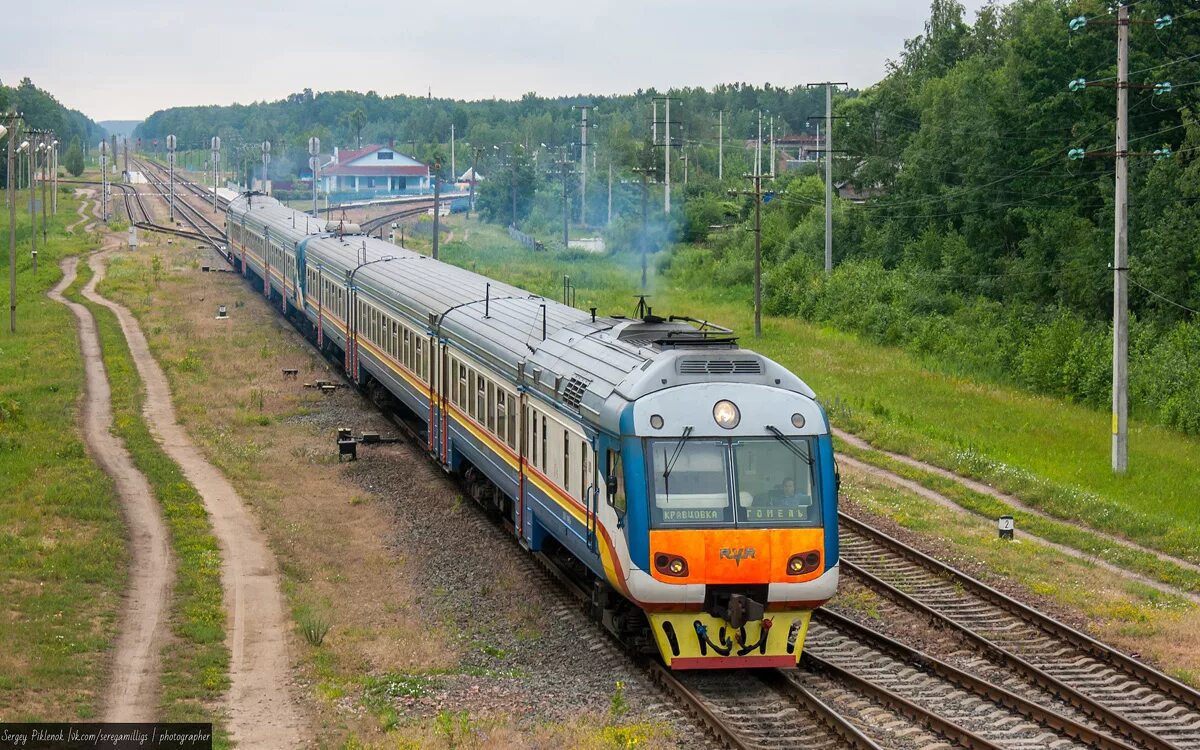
pixel 580 360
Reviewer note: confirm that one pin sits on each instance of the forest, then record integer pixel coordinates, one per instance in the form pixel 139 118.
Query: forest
pixel 966 232
pixel 39 109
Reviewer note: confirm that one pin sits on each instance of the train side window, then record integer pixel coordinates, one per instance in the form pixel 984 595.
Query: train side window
pixel 533 421
pixel 491 408
pixel 480 398
pixel 501 416
pixel 566 470
pixel 616 482
pixel 545 436
pixel 462 385
pixel 420 360
pixel 512 422
pixel 583 471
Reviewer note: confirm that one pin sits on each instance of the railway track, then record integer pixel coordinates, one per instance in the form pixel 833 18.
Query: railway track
pixel 209 231
pixel 1112 690
pixel 136 210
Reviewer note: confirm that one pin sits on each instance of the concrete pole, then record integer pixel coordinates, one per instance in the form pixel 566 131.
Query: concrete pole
pixel 772 146
pixel 33 141
pixel 1120 418
pixel 583 148
pixel 758 147
pixel 45 178
pixel 54 178
pixel 453 163
pixel 667 159
pixel 721 145
pixel 757 255
pixel 828 178
pixel 609 193
pixel 437 207
pixel 12 232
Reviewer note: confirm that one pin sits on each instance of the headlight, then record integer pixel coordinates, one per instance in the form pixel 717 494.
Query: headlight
pixel 671 565
pixel 726 414
pixel 805 562
pixel 798 420
pixel 656 421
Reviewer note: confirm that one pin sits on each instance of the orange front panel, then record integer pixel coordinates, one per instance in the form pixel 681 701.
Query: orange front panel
pixel 736 555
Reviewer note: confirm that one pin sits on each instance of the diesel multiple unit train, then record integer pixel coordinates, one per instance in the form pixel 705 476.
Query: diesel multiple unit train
pixel 691 484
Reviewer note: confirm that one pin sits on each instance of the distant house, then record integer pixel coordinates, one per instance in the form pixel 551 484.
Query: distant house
pixel 374 170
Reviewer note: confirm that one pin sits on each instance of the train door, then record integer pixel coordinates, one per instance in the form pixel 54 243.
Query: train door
pixel 267 262
pixel 589 488
pixel 522 452
pixel 427 369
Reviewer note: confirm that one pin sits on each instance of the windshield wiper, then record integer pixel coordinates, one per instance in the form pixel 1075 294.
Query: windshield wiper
pixel 675 456
pixel 807 459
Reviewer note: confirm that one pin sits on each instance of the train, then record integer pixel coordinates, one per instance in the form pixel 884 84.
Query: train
pixel 690 485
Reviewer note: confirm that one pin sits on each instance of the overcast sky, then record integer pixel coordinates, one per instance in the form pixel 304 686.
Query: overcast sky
pixel 124 60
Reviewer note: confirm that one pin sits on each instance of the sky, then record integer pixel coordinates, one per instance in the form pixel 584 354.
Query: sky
pixel 123 61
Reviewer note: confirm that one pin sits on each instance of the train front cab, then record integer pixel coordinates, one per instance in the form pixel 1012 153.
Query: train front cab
pixel 731 519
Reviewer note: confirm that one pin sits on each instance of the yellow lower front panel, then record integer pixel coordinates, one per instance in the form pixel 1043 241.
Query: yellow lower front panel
pixel 697 640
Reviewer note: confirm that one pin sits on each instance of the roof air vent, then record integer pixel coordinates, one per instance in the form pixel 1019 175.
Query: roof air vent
pixel 573 393
pixel 720 367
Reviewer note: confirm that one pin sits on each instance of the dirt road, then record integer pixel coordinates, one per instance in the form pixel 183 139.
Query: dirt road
pixel 262 712
pixel 133 690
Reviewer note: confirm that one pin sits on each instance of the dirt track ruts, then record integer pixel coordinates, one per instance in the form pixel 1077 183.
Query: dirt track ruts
pixel 261 710
pixel 132 693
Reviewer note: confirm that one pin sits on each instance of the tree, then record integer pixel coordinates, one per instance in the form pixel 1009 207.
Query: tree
pixel 357 119
pixel 73 160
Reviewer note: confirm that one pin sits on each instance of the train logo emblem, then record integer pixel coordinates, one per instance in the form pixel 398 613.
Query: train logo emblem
pixel 737 554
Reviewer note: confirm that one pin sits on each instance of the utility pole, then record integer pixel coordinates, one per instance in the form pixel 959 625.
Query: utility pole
pixel 756 179
pixel 721 145
pixel 437 206
pixel 46 138
pixel 564 164
pixel 668 144
pixel 104 180
pixel 609 194
pixel 583 153
pixel 1120 267
pixel 125 143
pixel 11 126
pixel 758 147
pixel 828 170
pixel 643 172
pixel 772 145
pixel 453 163
pixel 314 161
pixel 34 145
pixel 54 177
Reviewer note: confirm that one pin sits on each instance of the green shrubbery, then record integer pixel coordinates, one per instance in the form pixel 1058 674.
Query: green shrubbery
pixel 1051 350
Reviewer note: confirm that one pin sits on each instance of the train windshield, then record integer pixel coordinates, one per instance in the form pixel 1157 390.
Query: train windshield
pixel 767 482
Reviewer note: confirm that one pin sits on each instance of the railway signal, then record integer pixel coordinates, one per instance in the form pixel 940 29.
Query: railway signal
pixel 216 162
pixel 314 161
pixel 266 159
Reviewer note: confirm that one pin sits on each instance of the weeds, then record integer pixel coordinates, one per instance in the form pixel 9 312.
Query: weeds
pixel 315 627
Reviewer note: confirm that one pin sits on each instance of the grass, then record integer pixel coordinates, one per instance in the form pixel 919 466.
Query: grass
pixel 62 549
pixel 195 662
pixel 1054 455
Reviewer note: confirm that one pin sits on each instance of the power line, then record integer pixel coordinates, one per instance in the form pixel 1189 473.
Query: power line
pixel 1169 301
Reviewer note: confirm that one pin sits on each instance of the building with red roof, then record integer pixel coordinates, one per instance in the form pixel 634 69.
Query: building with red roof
pixel 374 170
